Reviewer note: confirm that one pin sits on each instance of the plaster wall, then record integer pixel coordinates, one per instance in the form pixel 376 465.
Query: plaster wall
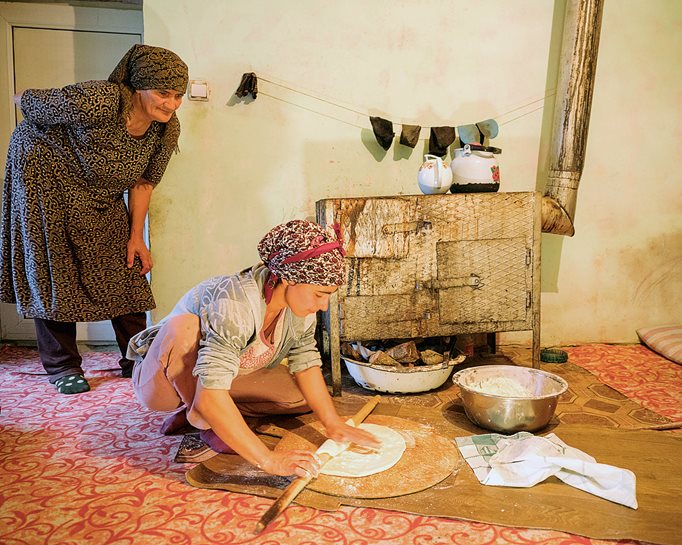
pixel 323 67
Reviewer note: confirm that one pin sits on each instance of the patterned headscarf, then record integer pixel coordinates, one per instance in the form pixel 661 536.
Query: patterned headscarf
pixel 149 67
pixel 302 252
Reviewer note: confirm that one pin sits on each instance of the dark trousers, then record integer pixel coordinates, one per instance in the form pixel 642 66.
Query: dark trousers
pixel 59 352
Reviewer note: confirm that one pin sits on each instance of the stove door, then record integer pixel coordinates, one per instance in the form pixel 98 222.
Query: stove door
pixel 434 265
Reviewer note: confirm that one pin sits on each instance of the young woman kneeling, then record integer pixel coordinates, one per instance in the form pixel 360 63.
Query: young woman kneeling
pixel 219 352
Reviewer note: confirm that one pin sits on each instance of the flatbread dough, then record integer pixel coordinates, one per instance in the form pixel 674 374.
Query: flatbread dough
pixel 359 462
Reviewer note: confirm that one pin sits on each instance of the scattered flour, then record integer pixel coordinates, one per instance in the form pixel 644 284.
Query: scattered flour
pixel 501 386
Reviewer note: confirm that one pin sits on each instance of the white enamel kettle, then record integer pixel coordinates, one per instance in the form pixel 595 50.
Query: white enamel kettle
pixel 475 169
pixel 434 175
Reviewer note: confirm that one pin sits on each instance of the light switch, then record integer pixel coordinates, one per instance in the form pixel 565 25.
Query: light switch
pixel 198 90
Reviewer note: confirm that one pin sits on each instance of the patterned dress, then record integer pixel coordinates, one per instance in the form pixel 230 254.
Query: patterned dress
pixel 64 227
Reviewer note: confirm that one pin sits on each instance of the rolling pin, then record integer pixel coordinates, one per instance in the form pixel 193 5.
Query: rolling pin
pixel 326 452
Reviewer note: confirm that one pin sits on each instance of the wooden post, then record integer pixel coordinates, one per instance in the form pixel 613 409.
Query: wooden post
pixel 325 216
pixel 335 343
pixel 578 63
pixel 536 307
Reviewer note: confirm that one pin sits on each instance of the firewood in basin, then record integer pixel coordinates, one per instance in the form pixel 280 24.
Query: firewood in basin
pixel 382 358
pixel 364 352
pixel 404 353
pixel 347 349
pixel 431 357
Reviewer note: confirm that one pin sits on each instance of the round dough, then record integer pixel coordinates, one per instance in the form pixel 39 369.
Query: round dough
pixel 358 463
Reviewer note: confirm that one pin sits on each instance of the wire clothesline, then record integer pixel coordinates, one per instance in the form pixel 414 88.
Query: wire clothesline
pixel 366 115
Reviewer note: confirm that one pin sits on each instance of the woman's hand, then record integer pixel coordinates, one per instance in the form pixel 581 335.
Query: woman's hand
pixel 302 463
pixel 137 248
pixel 314 390
pixel 138 204
pixel 341 432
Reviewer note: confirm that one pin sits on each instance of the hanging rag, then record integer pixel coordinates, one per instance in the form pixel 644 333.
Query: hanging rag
pixel 248 85
pixel 409 136
pixel 441 138
pixel 383 131
pixel 489 128
pixel 469 134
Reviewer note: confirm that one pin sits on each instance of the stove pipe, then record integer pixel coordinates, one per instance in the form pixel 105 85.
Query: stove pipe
pixel 578 62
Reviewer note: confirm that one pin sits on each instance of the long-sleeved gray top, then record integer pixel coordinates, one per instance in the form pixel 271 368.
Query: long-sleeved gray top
pixel 231 311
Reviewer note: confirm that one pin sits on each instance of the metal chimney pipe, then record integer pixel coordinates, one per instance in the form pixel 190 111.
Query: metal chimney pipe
pixel 578 63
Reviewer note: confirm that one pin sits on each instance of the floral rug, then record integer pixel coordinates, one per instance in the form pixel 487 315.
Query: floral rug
pixel 93 469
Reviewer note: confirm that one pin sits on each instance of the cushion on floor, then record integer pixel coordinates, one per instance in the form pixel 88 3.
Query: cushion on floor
pixel 665 340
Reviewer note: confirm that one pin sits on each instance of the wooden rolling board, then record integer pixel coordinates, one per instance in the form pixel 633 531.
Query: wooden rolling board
pixel 428 459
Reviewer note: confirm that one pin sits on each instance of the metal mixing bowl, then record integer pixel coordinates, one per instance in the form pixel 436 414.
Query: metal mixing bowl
pixel 510 414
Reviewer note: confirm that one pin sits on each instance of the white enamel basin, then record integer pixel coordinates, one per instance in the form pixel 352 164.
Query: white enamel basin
pixel 383 378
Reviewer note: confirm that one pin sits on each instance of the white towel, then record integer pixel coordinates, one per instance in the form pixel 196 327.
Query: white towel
pixel 523 460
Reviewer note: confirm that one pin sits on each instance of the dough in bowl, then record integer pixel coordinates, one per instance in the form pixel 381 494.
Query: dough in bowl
pixel 501 386
pixel 359 462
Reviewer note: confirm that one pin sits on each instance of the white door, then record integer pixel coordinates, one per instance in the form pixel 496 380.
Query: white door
pixel 53 46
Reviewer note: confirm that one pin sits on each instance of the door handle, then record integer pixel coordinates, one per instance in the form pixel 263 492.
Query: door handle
pixel 406 227
pixel 472 281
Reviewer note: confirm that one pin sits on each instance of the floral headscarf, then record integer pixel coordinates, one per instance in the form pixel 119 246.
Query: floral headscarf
pixel 149 67
pixel 303 252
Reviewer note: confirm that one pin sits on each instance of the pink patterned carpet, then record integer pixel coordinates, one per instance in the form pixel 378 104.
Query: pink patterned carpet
pixel 92 469
pixel 636 372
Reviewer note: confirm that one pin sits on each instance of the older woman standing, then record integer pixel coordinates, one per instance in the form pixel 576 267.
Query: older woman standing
pixel 71 251
pixel 218 352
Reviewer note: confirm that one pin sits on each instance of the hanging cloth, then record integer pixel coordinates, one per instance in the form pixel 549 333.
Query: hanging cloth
pixel 489 128
pixel 441 138
pixel 469 134
pixel 248 85
pixel 383 131
pixel 409 136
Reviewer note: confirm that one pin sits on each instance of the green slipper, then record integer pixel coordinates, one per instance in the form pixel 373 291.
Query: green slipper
pixel 553 355
pixel 72 384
